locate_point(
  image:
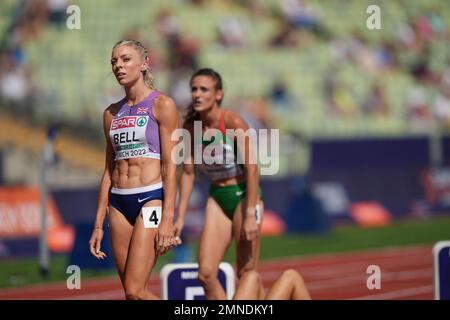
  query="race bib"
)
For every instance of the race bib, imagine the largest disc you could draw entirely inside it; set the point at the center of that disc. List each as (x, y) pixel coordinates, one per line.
(258, 214)
(151, 216)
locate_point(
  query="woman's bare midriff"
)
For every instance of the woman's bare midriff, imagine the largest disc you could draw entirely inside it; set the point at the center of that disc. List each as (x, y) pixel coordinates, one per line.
(136, 172)
(230, 181)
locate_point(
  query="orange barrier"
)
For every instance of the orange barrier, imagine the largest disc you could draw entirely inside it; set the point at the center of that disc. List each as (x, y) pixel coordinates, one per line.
(370, 214)
(20, 218)
(61, 239)
(272, 224)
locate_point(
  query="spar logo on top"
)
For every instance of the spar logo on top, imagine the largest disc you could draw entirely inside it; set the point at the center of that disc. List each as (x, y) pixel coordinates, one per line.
(20, 218)
(128, 122)
(125, 122)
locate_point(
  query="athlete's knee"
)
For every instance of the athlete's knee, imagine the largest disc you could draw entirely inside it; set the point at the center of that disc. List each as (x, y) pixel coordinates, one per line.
(292, 276)
(133, 292)
(206, 274)
(252, 276)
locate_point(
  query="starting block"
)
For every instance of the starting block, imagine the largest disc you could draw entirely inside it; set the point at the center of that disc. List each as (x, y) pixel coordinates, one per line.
(179, 281)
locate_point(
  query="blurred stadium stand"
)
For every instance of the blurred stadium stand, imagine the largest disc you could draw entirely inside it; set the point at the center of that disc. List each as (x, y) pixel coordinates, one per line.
(328, 66)
(309, 68)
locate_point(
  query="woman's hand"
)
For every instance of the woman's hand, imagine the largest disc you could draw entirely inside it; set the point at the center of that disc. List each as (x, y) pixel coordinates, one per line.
(95, 243)
(165, 237)
(178, 227)
(250, 228)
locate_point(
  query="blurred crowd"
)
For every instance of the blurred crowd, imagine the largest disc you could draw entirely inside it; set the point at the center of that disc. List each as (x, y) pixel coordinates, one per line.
(410, 52)
(300, 24)
(19, 88)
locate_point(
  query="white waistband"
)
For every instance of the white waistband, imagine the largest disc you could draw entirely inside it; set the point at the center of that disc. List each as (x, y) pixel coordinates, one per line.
(137, 190)
(150, 155)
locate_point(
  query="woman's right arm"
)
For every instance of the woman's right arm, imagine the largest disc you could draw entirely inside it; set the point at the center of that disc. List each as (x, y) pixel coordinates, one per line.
(186, 185)
(105, 186)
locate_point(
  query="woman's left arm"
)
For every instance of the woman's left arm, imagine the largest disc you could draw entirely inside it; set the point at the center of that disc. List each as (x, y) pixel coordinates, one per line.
(165, 112)
(247, 148)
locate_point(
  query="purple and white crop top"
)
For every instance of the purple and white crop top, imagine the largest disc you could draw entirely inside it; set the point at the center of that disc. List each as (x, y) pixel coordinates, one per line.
(134, 131)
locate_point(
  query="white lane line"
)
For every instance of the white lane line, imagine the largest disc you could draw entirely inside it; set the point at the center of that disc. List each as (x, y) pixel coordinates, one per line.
(361, 279)
(61, 285)
(105, 295)
(311, 262)
(353, 255)
(403, 293)
(348, 268)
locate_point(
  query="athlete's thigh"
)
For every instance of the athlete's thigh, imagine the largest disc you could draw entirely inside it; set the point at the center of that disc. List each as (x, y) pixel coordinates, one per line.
(247, 252)
(216, 235)
(249, 286)
(121, 231)
(142, 253)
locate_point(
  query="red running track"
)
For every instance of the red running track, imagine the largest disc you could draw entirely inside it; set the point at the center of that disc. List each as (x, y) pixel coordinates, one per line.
(406, 274)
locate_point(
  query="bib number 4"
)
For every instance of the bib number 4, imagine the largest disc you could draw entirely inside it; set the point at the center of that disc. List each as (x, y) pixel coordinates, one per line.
(151, 216)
